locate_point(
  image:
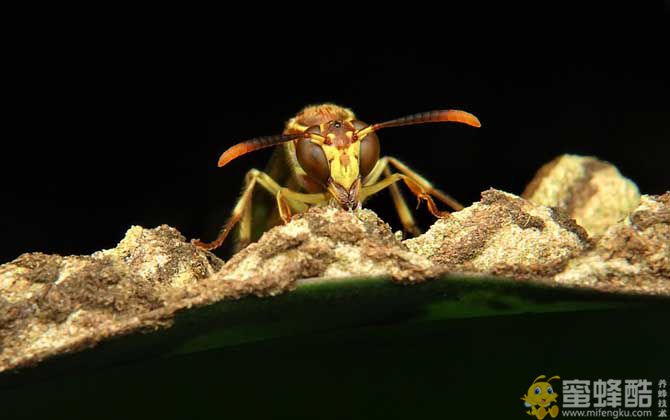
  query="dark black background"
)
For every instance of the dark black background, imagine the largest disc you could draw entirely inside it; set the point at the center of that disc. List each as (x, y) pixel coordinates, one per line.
(105, 132)
(111, 137)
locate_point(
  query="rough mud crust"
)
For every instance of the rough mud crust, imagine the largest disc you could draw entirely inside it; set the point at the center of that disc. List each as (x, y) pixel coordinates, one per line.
(633, 255)
(328, 242)
(591, 191)
(503, 235)
(52, 304)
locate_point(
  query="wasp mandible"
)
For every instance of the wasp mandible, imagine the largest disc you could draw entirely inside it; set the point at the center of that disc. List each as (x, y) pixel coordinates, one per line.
(334, 158)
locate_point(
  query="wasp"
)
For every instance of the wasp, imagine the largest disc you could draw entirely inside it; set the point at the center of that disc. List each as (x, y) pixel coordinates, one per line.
(334, 158)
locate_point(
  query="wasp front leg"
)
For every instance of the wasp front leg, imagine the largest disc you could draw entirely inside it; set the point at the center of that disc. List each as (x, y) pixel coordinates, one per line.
(401, 207)
(424, 185)
(246, 219)
(416, 183)
(286, 200)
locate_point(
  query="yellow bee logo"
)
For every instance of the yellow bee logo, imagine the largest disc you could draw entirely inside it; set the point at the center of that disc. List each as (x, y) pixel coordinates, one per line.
(540, 397)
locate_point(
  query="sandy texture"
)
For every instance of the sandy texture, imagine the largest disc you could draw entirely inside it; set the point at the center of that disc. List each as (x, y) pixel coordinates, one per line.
(503, 235)
(591, 191)
(328, 242)
(633, 255)
(50, 304)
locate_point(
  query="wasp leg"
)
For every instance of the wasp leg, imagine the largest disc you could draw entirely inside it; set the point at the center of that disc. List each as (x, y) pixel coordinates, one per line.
(283, 206)
(244, 231)
(286, 199)
(245, 223)
(425, 185)
(416, 189)
(401, 207)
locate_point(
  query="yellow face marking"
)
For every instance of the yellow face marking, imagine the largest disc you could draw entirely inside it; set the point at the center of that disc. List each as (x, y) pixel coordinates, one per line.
(344, 163)
(364, 132)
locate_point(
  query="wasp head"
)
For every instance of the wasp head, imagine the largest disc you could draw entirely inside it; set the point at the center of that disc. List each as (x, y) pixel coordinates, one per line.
(335, 155)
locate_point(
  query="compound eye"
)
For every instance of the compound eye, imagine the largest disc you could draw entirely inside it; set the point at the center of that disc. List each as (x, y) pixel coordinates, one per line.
(550, 390)
(538, 391)
(312, 158)
(369, 149)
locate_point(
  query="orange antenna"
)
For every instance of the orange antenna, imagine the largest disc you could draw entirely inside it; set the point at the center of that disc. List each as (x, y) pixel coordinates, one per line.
(255, 144)
(449, 115)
